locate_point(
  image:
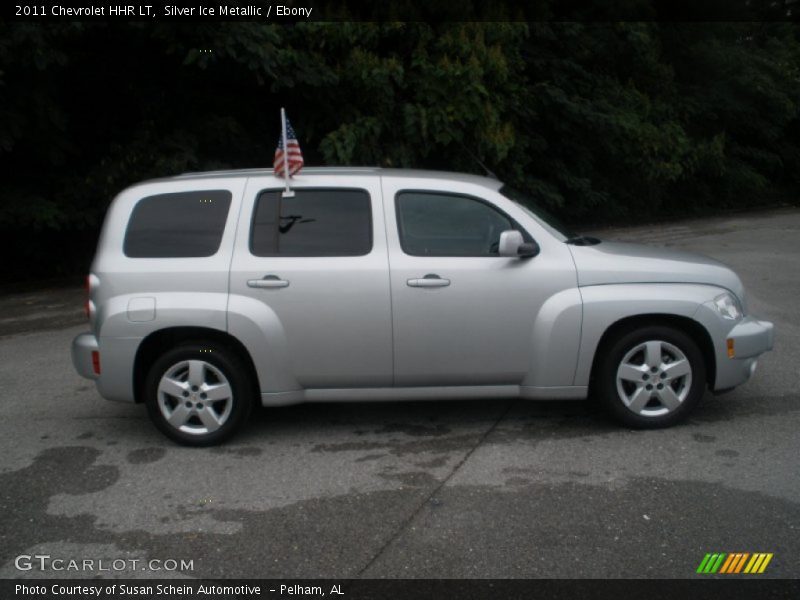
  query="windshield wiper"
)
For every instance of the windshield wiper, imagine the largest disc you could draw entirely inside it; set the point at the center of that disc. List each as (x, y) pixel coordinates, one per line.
(582, 240)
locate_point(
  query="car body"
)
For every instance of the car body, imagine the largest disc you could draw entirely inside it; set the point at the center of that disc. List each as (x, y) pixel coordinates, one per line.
(383, 284)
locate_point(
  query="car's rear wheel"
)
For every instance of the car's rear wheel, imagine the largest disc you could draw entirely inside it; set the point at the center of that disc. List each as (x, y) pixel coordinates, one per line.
(198, 394)
(651, 377)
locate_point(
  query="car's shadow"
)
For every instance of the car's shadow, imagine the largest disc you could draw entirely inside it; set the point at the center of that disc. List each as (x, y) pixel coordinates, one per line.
(433, 419)
(510, 419)
(539, 418)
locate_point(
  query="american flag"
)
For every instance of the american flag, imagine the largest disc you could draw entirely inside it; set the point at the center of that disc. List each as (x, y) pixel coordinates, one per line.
(294, 153)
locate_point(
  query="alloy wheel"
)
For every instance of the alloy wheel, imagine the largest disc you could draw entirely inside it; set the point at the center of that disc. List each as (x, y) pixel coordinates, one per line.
(195, 397)
(654, 378)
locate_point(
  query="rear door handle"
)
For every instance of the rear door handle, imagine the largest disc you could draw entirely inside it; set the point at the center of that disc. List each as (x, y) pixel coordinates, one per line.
(269, 281)
(431, 280)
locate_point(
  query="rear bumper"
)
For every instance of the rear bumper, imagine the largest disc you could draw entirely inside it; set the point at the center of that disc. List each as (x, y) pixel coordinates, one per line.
(116, 357)
(751, 338)
(82, 348)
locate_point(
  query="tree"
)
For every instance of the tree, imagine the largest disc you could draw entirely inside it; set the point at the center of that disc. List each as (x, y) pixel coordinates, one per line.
(596, 121)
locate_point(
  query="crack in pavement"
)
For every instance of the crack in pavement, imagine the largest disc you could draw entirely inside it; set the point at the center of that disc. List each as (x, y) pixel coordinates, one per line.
(410, 519)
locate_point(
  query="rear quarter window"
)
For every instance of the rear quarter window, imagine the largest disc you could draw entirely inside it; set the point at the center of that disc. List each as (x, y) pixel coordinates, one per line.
(315, 222)
(177, 225)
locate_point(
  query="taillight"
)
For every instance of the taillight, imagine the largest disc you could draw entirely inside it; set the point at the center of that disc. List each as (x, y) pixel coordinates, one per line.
(96, 362)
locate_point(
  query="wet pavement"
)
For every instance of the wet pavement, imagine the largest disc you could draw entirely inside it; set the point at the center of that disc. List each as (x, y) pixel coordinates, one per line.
(445, 489)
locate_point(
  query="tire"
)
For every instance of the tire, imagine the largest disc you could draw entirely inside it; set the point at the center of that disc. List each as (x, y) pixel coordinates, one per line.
(651, 377)
(198, 394)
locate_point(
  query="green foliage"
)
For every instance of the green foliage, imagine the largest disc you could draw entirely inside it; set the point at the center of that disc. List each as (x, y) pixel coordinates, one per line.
(598, 121)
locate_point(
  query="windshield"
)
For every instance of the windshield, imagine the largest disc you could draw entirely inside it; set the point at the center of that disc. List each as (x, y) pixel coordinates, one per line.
(549, 221)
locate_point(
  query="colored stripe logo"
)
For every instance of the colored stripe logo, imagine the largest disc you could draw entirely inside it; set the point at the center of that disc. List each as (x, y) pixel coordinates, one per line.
(735, 562)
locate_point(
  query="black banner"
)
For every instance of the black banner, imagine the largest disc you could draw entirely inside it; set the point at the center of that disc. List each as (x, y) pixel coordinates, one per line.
(408, 589)
(294, 11)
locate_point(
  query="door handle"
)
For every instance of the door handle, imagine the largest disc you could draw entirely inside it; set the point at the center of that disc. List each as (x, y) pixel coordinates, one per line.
(269, 281)
(431, 280)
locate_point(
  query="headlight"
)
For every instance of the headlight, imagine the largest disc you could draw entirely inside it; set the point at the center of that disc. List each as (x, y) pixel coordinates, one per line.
(728, 306)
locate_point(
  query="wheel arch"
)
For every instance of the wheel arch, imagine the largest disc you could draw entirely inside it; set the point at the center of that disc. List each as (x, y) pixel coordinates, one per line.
(157, 342)
(687, 325)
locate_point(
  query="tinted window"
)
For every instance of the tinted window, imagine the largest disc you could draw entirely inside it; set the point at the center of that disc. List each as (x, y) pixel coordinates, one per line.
(312, 223)
(186, 224)
(435, 224)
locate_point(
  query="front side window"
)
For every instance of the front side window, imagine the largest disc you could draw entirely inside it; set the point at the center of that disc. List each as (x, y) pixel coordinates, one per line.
(315, 222)
(177, 225)
(442, 224)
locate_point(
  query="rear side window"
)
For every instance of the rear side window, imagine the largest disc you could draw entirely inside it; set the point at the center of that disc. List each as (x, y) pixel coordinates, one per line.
(179, 225)
(315, 222)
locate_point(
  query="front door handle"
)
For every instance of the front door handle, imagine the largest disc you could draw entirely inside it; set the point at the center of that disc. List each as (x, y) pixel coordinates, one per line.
(269, 281)
(431, 280)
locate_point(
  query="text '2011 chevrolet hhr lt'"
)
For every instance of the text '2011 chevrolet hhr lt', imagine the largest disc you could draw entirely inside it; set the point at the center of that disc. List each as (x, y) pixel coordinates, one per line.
(212, 291)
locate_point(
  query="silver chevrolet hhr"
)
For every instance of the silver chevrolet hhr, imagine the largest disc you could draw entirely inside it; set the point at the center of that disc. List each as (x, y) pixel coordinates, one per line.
(211, 290)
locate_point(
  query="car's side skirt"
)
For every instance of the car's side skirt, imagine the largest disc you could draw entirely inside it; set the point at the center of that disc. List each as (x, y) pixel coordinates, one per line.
(424, 393)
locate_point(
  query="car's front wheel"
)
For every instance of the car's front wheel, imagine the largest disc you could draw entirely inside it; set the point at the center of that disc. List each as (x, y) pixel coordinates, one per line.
(651, 377)
(198, 394)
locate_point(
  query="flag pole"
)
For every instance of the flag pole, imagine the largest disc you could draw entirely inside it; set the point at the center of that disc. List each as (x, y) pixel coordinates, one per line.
(287, 193)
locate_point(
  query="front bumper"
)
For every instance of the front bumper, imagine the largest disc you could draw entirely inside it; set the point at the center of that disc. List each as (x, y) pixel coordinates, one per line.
(82, 348)
(751, 338)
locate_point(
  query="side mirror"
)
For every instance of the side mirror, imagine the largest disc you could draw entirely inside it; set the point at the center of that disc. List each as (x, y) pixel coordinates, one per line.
(512, 244)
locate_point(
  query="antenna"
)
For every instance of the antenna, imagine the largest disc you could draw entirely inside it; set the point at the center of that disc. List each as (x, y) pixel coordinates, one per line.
(488, 171)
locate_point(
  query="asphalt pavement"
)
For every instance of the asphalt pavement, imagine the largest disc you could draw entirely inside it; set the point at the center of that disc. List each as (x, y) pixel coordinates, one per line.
(478, 489)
